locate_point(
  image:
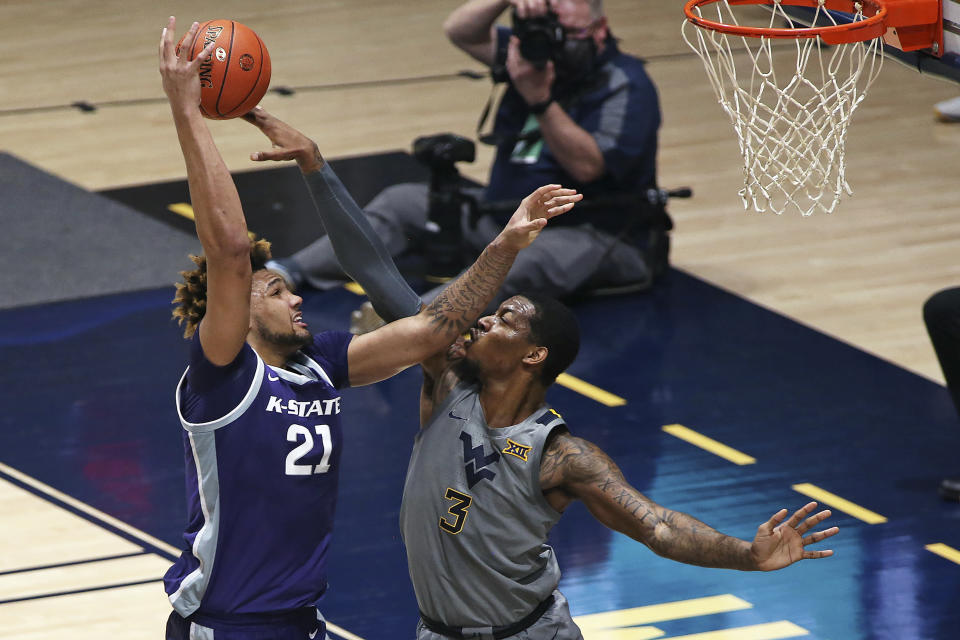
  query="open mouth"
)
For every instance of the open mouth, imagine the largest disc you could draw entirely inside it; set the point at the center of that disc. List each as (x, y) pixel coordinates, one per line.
(471, 336)
(298, 320)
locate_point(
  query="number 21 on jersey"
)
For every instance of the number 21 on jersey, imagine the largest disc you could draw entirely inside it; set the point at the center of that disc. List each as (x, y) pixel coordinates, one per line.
(297, 432)
(459, 511)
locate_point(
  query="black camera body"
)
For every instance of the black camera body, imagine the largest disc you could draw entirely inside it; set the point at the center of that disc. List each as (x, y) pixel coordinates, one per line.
(443, 244)
(541, 38)
(443, 150)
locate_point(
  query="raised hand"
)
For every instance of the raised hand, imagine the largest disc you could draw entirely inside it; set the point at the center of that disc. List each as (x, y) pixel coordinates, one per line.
(531, 216)
(778, 545)
(288, 143)
(181, 78)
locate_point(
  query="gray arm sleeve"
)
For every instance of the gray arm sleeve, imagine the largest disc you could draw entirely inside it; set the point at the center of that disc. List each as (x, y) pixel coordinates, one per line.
(360, 252)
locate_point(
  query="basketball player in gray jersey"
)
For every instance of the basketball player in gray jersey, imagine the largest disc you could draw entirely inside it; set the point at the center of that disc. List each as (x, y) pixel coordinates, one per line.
(494, 467)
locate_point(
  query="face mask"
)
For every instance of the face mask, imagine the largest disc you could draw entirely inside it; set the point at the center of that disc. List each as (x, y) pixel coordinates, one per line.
(577, 60)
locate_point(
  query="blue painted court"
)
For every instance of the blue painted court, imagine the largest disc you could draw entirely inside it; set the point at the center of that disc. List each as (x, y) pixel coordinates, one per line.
(88, 398)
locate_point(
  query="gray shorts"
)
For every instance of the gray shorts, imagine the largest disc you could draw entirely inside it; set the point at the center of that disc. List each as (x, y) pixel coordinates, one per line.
(554, 624)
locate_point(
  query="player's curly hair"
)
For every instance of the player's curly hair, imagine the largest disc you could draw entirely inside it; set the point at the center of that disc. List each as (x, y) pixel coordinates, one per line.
(191, 298)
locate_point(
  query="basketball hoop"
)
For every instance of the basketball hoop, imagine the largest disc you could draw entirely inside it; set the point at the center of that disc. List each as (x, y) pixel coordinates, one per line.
(791, 121)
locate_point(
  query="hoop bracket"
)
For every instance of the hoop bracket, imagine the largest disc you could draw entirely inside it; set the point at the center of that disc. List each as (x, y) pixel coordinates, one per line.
(914, 25)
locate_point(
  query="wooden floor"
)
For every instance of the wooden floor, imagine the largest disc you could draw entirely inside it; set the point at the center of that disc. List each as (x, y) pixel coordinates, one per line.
(860, 274)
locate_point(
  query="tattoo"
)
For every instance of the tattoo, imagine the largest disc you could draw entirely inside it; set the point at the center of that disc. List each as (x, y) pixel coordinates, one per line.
(458, 306)
(584, 471)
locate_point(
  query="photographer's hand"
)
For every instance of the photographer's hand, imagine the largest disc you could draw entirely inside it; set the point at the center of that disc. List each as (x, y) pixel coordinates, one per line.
(530, 8)
(534, 85)
(288, 143)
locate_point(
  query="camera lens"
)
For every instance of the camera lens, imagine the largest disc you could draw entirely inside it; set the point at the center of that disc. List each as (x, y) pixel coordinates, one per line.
(536, 48)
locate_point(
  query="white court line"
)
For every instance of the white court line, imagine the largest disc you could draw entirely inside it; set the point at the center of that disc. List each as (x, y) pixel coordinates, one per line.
(123, 526)
(91, 511)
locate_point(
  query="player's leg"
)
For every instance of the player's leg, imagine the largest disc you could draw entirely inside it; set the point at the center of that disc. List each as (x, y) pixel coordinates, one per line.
(566, 260)
(395, 214)
(941, 313)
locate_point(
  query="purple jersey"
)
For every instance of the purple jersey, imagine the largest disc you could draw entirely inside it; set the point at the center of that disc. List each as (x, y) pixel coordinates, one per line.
(262, 449)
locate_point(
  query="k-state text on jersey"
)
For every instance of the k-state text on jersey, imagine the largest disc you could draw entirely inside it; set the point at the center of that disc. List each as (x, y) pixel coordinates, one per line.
(304, 409)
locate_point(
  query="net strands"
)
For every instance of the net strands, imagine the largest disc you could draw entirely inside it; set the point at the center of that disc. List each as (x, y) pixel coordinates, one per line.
(791, 126)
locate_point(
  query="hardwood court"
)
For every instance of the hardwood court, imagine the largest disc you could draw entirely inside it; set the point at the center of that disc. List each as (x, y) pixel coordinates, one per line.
(861, 274)
(371, 75)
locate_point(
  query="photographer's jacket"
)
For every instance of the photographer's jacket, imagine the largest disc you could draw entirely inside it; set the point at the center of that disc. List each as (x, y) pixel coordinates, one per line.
(617, 104)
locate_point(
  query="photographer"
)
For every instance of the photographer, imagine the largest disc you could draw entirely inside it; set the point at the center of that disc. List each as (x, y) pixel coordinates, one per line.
(584, 114)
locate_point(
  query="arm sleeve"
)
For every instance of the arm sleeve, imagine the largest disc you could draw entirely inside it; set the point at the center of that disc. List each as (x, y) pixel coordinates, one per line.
(360, 252)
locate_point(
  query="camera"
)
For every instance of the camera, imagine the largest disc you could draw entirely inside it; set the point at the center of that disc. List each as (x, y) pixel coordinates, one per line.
(541, 38)
(444, 248)
(441, 151)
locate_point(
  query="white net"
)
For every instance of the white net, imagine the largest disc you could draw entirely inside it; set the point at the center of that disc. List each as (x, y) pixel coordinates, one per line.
(790, 115)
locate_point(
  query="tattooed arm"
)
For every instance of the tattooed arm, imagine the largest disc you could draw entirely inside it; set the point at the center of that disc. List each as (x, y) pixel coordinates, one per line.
(385, 352)
(574, 469)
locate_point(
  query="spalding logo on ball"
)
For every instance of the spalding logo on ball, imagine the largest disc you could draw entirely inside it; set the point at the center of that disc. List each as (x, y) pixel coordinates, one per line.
(235, 77)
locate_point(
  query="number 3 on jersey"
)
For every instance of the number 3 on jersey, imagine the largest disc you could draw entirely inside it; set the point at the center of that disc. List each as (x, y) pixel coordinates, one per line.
(297, 431)
(458, 510)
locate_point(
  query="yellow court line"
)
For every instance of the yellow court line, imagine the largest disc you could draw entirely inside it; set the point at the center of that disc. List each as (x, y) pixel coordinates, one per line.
(589, 390)
(767, 631)
(182, 209)
(185, 209)
(838, 503)
(630, 633)
(708, 444)
(353, 287)
(944, 551)
(82, 506)
(662, 612)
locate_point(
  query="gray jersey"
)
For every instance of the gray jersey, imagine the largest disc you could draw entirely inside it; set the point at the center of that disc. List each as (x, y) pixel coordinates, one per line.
(474, 519)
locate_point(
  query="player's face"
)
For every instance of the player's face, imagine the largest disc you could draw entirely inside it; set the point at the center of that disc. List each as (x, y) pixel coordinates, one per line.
(275, 311)
(501, 341)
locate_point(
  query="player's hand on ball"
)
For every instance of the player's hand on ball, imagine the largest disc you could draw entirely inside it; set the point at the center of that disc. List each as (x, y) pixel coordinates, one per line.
(531, 216)
(181, 80)
(288, 143)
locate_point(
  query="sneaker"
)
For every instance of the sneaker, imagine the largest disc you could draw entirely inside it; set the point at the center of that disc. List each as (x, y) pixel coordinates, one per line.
(950, 489)
(365, 320)
(948, 110)
(288, 270)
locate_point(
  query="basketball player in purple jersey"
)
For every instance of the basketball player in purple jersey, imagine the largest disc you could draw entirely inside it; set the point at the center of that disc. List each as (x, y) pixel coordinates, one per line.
(259, 402)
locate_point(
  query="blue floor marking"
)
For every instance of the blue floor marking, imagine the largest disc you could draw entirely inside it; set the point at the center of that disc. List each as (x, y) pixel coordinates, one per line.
(89, 410)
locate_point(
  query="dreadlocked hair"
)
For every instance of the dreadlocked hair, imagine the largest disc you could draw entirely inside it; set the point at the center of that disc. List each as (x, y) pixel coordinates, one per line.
(190, 301)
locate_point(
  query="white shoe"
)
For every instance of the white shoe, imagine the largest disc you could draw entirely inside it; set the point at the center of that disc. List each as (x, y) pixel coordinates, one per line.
(948, 110)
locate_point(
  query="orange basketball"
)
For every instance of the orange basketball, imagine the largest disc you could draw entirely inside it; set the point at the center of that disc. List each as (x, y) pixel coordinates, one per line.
(236, 75)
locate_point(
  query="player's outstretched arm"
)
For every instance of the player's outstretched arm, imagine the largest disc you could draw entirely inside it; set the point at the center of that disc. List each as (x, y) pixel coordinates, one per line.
(219, 217)
(578, 469)
(358, 248)
(382, 353)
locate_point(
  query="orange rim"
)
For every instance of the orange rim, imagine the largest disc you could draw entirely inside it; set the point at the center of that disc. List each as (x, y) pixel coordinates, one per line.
(873, 26)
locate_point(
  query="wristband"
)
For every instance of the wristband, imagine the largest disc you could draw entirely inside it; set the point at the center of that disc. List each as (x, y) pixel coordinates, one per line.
(538, 108)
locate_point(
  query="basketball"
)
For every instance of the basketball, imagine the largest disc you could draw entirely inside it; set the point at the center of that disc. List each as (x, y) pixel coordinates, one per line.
(236, 76)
